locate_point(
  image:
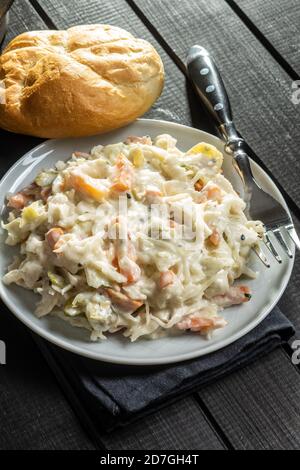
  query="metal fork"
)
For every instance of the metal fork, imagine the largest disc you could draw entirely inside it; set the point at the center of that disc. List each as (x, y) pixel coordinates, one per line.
(260, 205)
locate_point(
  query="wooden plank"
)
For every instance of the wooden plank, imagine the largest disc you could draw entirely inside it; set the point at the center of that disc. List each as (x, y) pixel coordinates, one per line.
(156, 429)
(258, 407)
(178, 28)
(22, 18)
(164, 428)
(33, 412)
(278, 21)
(258, 88)
(161, 425)
(173, 428)
(4, 7)
(290, 301)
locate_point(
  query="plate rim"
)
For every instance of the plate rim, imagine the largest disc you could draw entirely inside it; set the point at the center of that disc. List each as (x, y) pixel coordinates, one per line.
(65, 344)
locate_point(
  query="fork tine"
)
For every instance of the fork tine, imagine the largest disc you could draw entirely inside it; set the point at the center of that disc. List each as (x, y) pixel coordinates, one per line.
(282, 242)
(293, 234)
(271, 247)
(257, 250)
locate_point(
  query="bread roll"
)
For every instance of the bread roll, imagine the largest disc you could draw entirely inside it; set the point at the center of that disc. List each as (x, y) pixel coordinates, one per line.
(83, 81)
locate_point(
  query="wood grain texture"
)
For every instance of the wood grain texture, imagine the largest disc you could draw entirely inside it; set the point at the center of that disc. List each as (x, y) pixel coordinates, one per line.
(184, 422)
(173, 428)
(290, 301)
(22, 18)
(4, 6)
(33, 412)
(260, 91)
(164, 429)
(279, 22)
(156, 429)
(258, 407)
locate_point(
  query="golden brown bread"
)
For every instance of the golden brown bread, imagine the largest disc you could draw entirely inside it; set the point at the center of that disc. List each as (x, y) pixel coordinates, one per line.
(83, 81)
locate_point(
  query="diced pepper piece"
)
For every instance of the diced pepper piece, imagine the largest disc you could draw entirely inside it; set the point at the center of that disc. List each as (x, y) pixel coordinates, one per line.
(30, 213)
(235, 296)
(122, 301)
(53, 237)
(166, 279)
(45, 193)
(86, 185)
(137, 157)
(81, 155)
(56, 280)
(206, 149)
(199, 185)
(210, 151)
(132, 139)
(213, 193)
(196, 322)
(152, 194)
(215, 238)
(18, 201)
(124, 175)
(125, 258)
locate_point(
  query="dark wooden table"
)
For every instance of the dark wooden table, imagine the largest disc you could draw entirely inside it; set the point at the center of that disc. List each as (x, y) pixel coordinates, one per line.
(256, 44)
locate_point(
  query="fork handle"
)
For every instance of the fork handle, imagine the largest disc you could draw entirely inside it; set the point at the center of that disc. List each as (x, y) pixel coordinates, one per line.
(209, 84)
(211, 90)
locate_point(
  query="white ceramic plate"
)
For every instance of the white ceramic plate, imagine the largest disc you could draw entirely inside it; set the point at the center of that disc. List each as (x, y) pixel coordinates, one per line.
(267, 288)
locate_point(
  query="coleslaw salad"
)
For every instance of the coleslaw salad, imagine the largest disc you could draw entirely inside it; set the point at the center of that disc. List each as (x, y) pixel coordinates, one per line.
(136, 237)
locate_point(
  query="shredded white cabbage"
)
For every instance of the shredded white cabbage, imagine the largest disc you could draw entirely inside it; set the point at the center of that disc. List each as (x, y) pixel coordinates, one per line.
(136, 237)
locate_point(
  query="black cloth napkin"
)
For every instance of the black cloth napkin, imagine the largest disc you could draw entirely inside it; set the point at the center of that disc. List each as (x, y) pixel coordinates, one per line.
(114, 395)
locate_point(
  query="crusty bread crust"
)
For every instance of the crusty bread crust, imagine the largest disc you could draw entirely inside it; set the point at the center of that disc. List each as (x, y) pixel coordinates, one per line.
(83, 81)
